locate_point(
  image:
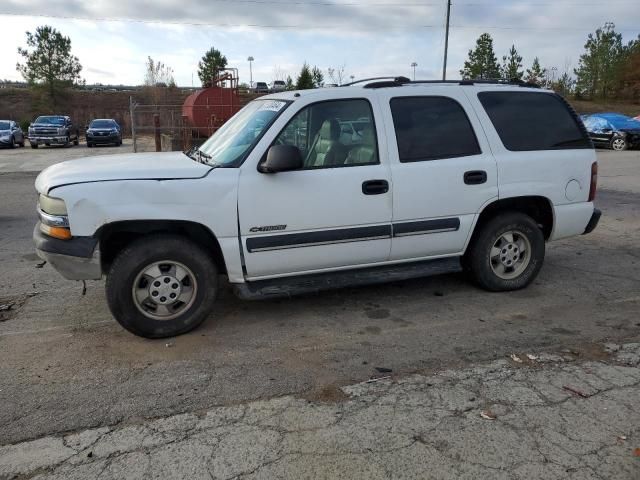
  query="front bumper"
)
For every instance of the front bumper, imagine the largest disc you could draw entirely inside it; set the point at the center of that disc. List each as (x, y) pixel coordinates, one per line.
(5, 140)
(40, 139)
(75, 259)
(103, 138)
(593, 221)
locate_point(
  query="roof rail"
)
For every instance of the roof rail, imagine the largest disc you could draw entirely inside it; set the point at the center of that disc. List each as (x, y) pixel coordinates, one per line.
(382, 82)
(390, 78)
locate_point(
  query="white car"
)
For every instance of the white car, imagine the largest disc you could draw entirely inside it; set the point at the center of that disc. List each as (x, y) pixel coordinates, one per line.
(445, 177)
(278, 86)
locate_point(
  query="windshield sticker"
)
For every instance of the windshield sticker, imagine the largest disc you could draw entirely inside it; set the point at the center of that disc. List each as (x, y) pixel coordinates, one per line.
(273, 105)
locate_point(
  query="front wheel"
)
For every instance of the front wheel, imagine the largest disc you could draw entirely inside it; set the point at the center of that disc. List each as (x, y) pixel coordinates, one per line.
(161, 287)
(507, 253)
(12, 143)
(34, 145)
(619, 144)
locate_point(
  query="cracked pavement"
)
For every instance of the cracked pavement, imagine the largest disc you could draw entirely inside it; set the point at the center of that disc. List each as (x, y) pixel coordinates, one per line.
(549, 416)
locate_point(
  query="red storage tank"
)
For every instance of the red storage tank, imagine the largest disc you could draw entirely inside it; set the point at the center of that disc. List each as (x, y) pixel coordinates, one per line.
(207, 109)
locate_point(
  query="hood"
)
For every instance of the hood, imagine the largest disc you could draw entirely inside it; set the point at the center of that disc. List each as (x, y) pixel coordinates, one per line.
(5, 132)
(127, 166)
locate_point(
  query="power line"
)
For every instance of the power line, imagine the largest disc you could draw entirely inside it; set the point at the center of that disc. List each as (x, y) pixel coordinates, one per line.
(297, 26)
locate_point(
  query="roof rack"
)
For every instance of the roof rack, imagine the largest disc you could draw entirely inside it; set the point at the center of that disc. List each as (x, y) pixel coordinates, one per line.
(382, 82)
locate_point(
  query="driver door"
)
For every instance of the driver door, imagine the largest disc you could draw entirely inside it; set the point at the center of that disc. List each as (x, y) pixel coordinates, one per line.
(333, 213)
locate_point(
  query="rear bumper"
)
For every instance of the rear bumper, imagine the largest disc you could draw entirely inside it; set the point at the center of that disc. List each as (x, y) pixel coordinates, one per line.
(75, 259)
(593, 221)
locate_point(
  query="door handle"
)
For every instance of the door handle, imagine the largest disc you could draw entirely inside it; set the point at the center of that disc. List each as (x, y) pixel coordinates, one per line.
(475, 177)
(375, 187)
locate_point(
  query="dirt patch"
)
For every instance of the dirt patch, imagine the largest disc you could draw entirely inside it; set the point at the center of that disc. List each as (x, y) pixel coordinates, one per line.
(10, 306)
(326, 394)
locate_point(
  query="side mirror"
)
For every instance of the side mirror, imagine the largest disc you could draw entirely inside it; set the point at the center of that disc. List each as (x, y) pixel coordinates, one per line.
(281, 158)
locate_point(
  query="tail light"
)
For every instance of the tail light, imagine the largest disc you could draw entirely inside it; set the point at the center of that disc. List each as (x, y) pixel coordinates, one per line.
(594, 181)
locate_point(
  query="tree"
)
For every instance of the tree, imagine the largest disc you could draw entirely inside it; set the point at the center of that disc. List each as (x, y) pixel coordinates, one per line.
(512, 65)
(630, 75)
(289, 84)
(337, 75)
(48, 60)
(536, 74)
(318, 77)
(482, 62)
(212, 62)
(158, 74)
(601, 64)
(305, 78)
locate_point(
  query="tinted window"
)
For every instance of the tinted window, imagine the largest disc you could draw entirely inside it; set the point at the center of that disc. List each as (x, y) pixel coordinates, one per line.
(533, 121)
(430, 128)
(333, 134)
(5, 125)
(50, 120)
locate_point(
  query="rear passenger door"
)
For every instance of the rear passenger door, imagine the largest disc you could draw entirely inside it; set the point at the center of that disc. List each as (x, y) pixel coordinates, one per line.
(442, 169)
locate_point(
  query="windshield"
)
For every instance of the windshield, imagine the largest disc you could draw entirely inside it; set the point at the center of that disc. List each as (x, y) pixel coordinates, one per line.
(102, 124)
(228, 146)
(50, 120)
(4, 126)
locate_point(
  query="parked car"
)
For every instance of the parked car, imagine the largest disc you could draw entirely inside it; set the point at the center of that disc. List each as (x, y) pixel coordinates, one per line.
(11, 134)
(261, 87)
(278, 86)
(444, 177)
(613, 130)
(103, 131)
(53, 130)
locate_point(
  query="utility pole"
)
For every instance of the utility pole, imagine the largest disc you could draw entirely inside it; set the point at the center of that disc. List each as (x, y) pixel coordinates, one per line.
(414, 65)
(446, 41)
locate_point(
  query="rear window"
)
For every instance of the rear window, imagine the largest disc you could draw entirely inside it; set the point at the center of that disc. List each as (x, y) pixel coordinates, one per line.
(529, 121)
(432, 128)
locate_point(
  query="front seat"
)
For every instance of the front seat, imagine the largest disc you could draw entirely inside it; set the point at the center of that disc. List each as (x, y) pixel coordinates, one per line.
(365, 153)
(327, 151)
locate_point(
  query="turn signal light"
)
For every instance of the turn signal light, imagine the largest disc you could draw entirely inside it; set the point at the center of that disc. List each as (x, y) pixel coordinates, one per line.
(594, 181)
(56, 232)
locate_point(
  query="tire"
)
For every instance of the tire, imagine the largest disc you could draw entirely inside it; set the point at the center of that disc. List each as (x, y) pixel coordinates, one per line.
(619, 144)
(12, 144)
(156, 254)
(21, 143)
(89, 144)
(76, 141)
(34, 145)
(67, 141)
(511, 268)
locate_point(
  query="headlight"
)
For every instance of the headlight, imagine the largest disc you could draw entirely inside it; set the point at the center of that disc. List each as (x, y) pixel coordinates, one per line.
(52, 206)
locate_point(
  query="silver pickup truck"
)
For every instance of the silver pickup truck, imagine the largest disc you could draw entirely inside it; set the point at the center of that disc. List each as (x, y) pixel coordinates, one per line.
(53, 130)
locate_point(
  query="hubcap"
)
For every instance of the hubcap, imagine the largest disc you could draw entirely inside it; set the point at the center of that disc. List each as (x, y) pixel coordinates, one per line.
(510, 255)
(164, 290)
(618, 144)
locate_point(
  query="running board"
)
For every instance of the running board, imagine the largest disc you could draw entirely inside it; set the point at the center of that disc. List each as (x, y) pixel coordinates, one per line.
(290, 286)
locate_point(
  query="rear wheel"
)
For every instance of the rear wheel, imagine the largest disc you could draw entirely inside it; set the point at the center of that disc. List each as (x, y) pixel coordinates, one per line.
(507, 253)
(161, 287)
(619, 144)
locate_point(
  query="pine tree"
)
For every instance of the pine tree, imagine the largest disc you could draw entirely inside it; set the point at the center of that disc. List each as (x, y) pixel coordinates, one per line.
(289, 84)
(482, 62)
(512, 65)
(536, 74)
(600, 66)
(305, 78)
(210, 65)
(318, 77)
(50, 61)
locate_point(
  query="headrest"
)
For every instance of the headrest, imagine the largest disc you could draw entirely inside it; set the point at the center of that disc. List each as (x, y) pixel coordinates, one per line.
(368, 138)
(330, 129)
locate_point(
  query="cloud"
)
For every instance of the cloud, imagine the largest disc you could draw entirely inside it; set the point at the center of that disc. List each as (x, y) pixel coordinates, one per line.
(377, 37)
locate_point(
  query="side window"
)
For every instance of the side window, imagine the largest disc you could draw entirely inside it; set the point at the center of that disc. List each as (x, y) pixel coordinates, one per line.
(325, 134)
(529, 121)
(432, 128)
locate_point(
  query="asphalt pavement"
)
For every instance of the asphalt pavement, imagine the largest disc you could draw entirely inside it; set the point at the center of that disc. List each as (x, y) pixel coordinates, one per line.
(66, 366)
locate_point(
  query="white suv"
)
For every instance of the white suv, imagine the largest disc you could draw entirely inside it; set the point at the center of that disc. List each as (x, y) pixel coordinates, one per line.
(437, 177)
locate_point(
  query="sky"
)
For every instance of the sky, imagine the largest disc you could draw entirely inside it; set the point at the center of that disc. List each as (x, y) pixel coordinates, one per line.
(113, 38)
